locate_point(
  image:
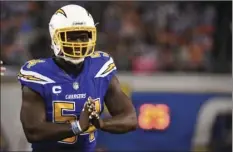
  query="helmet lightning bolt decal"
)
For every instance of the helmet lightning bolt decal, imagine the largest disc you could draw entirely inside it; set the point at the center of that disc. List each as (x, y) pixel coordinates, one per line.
(61, 11)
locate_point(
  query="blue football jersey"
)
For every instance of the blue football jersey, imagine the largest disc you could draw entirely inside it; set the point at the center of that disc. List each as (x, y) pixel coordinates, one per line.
(64, 95)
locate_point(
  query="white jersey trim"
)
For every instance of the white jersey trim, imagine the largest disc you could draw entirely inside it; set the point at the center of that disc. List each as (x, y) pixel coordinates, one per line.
(41, 79)
(106, 69)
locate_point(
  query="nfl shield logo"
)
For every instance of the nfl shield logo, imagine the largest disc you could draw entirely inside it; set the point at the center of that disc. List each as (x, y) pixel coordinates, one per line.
(75, 85)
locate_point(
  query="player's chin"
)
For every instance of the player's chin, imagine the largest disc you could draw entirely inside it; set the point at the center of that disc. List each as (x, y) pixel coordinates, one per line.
(70, 56)
(74, 58)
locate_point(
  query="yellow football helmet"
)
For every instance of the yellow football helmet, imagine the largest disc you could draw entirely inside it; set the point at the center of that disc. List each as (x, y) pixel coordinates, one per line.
(73, 33)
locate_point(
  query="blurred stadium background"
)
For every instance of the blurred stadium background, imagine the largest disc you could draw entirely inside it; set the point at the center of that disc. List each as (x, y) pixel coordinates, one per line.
(174, 61)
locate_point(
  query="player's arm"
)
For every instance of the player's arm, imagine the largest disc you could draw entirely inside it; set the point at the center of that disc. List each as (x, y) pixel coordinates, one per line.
(33, 118)
(120, 107)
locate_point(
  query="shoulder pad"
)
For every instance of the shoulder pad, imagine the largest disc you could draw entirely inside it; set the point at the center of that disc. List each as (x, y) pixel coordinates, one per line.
(32, 71)
(104, 64)
(107, 68)
(33, 63)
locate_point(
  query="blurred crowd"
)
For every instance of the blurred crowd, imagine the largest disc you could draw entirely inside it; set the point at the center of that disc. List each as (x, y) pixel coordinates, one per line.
(141, 36)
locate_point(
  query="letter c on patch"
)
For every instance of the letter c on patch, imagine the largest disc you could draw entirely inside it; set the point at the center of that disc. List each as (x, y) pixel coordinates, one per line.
(56, 89)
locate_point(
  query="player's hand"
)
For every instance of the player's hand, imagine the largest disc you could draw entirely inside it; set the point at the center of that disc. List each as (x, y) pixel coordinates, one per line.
(97, 122)
(3, 69)
(94, 115)
(84, 116)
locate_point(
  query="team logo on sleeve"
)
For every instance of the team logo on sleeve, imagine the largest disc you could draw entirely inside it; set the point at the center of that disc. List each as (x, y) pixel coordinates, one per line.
(33, 77)
(34, 62)
(106, 69)
(110, 68)
(29, 77)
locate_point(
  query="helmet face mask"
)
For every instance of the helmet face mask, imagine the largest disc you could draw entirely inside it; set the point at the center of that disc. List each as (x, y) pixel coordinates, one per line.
(73, 36)
(76, 42)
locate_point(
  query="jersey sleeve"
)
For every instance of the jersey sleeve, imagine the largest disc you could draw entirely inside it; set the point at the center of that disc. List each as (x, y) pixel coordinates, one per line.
(33, 79)
(106, 70)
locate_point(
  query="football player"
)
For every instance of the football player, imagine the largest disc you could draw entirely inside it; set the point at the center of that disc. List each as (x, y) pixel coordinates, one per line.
(63, 96)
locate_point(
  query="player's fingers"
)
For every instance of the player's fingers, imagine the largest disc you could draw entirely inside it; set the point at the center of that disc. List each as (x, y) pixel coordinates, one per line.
(95, 115)
(90, 100)
(92, 115)
(90, 110)
(89, 105)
